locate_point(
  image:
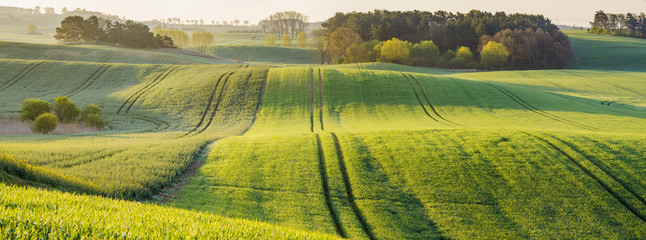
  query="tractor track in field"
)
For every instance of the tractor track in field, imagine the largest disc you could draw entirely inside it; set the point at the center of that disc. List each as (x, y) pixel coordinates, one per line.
(208, 106)
(217, 104)
(623, 184)
(624, 88)
(326, 189)
(428, 101)
(22, 74)
(162, 60)
(348, 188)
(149, 86)
(312, 97)
(90, 80)
(161, 124)
(321, 99)
(588, 173)
(420, 100)
(261, 98)
(108, 57)
(142, 90)
(536, 110)
(103, 156)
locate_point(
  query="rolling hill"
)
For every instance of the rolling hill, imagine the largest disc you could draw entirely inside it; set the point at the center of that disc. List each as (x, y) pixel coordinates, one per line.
(360, 151)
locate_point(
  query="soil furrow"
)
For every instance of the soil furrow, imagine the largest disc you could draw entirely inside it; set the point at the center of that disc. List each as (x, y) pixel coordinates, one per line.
(594, 177)
(150, 86)
(348, 188)
(326, 189)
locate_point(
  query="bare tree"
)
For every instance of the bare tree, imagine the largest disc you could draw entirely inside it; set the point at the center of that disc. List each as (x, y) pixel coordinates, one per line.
(288, 22)
(322, 43)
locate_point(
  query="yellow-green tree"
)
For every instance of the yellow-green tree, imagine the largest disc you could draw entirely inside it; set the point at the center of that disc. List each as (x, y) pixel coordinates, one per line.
(270, 41)
(395, 50)
(180, 38)
(45, 123)
(340, 40)
(32, 30)
(287, 41)
(65, 109)
(494, 55)
(465, 52)
(202, 38)
(302, 39)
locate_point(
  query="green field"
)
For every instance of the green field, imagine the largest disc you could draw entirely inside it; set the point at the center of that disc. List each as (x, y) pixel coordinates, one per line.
(201, 147)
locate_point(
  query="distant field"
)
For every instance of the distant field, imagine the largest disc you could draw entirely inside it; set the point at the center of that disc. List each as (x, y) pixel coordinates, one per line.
(306, 151)
(608, 52)
(262, 54)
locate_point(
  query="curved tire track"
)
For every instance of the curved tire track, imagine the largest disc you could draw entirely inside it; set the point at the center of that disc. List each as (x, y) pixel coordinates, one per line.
(208, 106)
(420, 100)
(326, 189)
(623, 184)
(30, 68)
(217, 104)
(89, 81)
(587, 172)
(428, 101)
(142, 89)
(536, 110)
(108, 57)
(151, 85)
(348, 188)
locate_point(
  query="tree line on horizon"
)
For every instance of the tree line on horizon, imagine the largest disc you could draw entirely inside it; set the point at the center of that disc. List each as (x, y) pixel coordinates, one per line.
(281, 23)
(627, 25)
(129, 34)
(435, 39)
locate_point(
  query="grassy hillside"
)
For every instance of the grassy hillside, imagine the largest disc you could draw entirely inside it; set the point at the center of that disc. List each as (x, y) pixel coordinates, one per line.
(492, 140)
(98, 53)
(608, 52)
(54, 214)
(151, 124)
(254, 53)
(363, 151)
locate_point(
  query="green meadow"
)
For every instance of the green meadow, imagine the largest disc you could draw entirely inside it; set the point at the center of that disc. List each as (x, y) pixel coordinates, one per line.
(199, 146)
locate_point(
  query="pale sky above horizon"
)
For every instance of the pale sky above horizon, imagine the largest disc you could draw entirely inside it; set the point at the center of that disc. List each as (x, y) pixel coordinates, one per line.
(566, 12)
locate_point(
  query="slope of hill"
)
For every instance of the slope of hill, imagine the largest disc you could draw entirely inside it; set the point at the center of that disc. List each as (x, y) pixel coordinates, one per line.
(608, 52)
(368, 151)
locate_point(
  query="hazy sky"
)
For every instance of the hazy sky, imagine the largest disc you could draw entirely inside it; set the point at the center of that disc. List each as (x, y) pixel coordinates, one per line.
(569, 12)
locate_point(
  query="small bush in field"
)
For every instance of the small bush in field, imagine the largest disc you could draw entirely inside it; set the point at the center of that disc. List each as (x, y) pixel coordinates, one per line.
(45, 123)
(32, 108)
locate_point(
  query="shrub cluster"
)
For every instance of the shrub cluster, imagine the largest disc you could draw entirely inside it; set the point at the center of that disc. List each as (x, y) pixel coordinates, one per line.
(64, 110)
